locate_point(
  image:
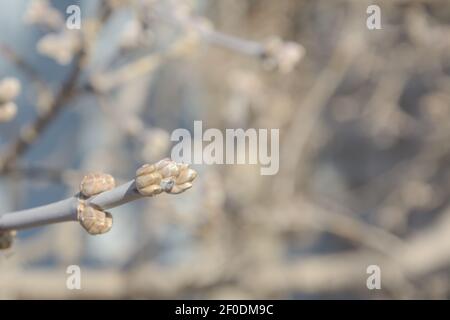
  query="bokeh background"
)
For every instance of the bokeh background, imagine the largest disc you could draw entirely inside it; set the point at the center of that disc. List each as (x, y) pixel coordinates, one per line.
(364, 149)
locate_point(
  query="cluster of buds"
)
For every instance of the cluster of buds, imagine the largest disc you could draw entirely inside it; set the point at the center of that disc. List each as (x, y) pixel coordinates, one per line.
(6, 239)
(93, 220)
(9, 90)
(40, 12)
(165, 175)
(280, 55)
(151, 179)
(61, 46)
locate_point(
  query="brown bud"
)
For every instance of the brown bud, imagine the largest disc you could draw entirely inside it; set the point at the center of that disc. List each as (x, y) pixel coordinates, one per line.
(94, 221)
(146, 168)
(179, 188)
(8, 111)
(162, 163)
(166, 175)
(186, 175)
(144, 181)
(151, 190)
(95, 183)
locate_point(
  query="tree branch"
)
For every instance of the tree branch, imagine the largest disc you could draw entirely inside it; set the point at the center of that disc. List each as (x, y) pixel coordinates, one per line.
(151, 180)
(67, 210)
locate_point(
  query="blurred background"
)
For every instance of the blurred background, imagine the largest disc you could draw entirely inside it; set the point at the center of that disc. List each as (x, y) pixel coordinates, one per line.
(364, 147)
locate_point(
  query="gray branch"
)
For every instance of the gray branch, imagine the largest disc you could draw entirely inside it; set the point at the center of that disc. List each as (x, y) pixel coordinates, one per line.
(67, 210)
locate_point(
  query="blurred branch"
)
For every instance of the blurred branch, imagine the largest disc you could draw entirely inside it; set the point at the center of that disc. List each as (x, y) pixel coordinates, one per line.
(305, 118)
(30, 133)
(22, 64)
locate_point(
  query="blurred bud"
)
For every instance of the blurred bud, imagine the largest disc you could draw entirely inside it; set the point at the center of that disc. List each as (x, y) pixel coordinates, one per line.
(7, 239)
(95, 183)
(40, 12)
(60, 46)
(283, 56)
(8, 111)
(94, 221)
(9, 89)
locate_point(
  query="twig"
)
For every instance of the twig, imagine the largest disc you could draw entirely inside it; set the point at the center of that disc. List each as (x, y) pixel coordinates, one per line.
(67, 210)
(28, 136)
(166, 176)
(21, 63)
(274, 53)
